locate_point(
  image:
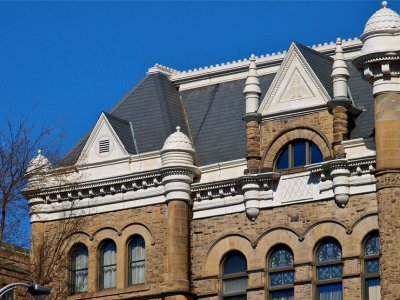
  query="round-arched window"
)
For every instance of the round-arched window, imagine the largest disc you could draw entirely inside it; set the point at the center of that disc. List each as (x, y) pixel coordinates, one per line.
(329, 270)
(234, 276)
(371, 267)
(298, 153)
(281, 273)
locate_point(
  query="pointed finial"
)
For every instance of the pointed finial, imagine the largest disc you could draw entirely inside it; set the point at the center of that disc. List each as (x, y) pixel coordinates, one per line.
(384, 4)
(39, 152)
(252, 57)
(340, 72)
(178, 128)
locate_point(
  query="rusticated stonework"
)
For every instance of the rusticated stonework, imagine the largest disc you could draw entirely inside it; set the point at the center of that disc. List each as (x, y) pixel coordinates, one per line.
(253, 146)
(339, 130)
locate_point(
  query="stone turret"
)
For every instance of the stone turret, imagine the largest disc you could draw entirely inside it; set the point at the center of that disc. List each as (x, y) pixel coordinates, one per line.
(252, 93)
(379, 63)
(178, 171)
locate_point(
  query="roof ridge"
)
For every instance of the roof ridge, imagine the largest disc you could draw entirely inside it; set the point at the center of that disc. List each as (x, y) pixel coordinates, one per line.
(129, 93)
(307, 48)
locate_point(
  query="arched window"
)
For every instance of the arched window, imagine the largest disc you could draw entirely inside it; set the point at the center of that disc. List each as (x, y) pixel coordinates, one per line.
(79, 269)
(136, 257)
(108, 265)
(298, 153)
(281, 274)
(371, 267)
(234, 277)
(329, 270)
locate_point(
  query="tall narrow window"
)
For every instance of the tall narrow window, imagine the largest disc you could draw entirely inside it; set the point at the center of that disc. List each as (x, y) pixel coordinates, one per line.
(298, 153)
(281, 274)
(329, 270)
(108, 265)
(234, 277)
(371, 268)
(136, 258)
(79, 269)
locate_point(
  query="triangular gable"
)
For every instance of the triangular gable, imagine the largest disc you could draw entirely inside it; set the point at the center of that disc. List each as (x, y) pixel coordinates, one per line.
(103, 143)
(295, 86)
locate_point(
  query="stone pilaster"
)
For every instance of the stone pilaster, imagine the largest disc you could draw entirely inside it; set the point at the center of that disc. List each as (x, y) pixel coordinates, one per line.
(178, 170)
(253, 146)
(387, 139)
(340, 130)
(252, 94)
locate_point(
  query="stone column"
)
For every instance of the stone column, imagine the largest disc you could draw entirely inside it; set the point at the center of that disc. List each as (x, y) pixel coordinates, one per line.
(379, 63)
(387, 139)
(252, 94)
(178, 171)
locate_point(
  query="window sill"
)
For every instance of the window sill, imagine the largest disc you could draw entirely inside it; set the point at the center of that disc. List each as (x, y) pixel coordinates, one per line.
(111, 292)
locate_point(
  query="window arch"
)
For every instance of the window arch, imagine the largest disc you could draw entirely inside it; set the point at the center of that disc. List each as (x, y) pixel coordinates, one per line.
(281, 273)
(234, 276)
(297, 153)
(328, 257)
(371, 267)
(108, 265)
(79, 269)
(136, 260)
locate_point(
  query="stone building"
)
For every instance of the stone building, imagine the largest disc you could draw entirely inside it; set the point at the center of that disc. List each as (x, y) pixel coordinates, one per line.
(14, 267)
(276, 177)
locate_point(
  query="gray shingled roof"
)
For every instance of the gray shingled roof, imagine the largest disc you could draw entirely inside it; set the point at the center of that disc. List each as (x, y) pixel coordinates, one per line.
(153, 107)
(361, 92)
(123, 129)
(214, 113)
(215, 116)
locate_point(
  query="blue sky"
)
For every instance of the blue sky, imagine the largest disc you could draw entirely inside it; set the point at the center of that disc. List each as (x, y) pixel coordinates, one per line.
(65, 62)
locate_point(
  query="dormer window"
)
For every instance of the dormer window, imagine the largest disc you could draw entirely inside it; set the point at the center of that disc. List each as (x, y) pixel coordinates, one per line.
(298, 153)
(104, 146)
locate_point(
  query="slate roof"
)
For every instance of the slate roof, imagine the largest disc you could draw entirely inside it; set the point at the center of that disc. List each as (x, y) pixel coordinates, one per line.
(123, 129)
(214, 113)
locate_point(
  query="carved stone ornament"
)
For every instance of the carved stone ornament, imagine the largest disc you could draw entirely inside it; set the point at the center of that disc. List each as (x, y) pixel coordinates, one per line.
(297, 89)
(388, 180)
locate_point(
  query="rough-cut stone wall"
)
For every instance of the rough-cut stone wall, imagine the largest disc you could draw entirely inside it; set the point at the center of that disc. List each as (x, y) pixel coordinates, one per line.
(14, 267)
(317, 127)
(340, 130)
(387, 139)
(150, 222)
(300, 226)
(253, 146)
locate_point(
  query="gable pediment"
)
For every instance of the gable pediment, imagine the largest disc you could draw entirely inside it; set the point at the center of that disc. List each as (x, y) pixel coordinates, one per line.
(103, 144)
(295, 87)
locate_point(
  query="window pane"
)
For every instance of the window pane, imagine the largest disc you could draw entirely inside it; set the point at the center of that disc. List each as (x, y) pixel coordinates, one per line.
(281, 258)
(299, 153)
(282, 295)
(136, 261)
(235, 263)
(330, 292)
(283, 159)
(372, 245)
(235, 285)
(374, 289)
(329, 251)
(329, 272)
(109, 265)
(79, 269)
(282, 278)
(316, 155)
(372, 265)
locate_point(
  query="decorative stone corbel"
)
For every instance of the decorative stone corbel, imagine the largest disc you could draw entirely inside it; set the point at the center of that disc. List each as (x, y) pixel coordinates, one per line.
(340, 174)
(251, 194)
(257, 187)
